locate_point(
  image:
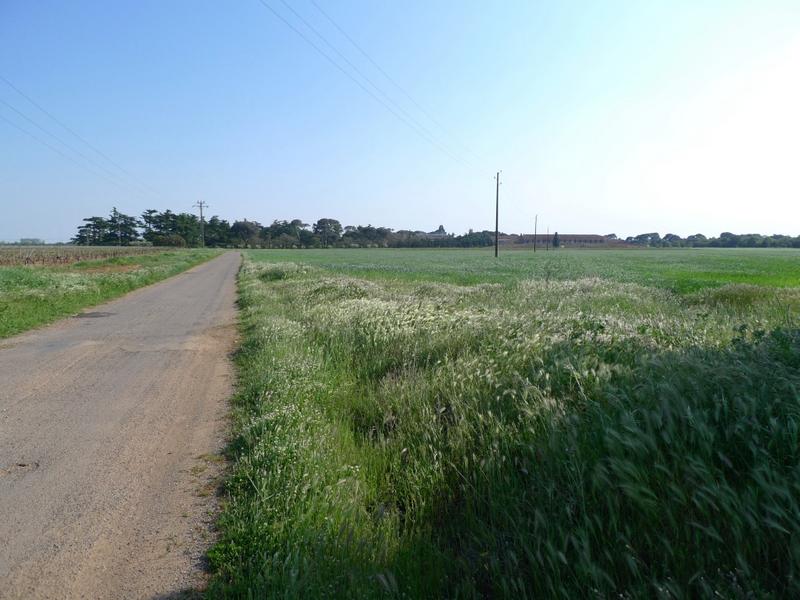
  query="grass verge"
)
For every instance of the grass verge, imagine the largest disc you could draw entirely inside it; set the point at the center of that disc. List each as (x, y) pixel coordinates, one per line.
(31, 296)
(537, 438)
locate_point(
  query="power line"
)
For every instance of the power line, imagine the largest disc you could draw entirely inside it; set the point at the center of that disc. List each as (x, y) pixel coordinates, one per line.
(362, 86)
(375, 86)
(394, 82)
(77, 136)
(61, 141)
(53, 148)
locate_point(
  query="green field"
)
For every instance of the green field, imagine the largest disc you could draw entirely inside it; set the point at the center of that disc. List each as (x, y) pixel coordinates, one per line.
(682, 270)
(36, 295)
(430, 424)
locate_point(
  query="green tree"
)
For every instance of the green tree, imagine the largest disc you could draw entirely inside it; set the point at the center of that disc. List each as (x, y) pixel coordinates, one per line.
(698, 239)
(648, 239)
(297, 226)
(163, 226)
(117, 230)
(187, 226)
(328, 230)
(149, 219)
(122, 229)
(168, 239)
(246, 233)
(218, 232)
(92, 233)
(556, 240)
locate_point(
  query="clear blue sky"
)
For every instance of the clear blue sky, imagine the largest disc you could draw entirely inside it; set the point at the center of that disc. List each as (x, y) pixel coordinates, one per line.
(626, 117)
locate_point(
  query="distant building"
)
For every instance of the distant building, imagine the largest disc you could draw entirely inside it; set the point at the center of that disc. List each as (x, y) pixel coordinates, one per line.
(568, 240)
(438, 234)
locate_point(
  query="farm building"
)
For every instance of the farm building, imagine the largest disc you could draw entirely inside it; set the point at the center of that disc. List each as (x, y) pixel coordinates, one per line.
(569, 240)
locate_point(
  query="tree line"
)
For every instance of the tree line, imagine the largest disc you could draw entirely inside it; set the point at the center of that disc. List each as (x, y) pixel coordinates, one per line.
(726, 239)
(184, 230)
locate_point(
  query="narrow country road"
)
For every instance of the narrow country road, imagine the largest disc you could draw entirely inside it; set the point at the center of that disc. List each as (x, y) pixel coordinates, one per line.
(110, 425)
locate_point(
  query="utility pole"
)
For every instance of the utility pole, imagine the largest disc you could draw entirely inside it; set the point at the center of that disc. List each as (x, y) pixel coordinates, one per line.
(201, 205)
(535, 228)
(497, 216)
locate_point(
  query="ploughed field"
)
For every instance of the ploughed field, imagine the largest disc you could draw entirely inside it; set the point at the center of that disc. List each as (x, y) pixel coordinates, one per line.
(565, 424)
(40, 285)
(60, 255)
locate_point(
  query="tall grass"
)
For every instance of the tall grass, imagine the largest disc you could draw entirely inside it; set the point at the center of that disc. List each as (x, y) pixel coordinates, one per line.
(682, 270)
(539, 438)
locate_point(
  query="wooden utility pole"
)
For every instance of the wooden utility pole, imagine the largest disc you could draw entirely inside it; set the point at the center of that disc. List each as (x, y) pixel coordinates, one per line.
(535, 228)
(201, 205)
(497, 216)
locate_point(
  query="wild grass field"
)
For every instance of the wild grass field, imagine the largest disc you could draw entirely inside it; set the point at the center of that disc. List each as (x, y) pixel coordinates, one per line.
(441, 424)
(681, 270)
(35, 294)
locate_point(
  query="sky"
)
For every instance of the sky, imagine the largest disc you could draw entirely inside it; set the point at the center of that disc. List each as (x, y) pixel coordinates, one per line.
(616, 116)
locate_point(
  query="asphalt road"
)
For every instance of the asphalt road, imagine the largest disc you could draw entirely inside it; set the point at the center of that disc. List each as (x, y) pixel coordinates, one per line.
(110, 427)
